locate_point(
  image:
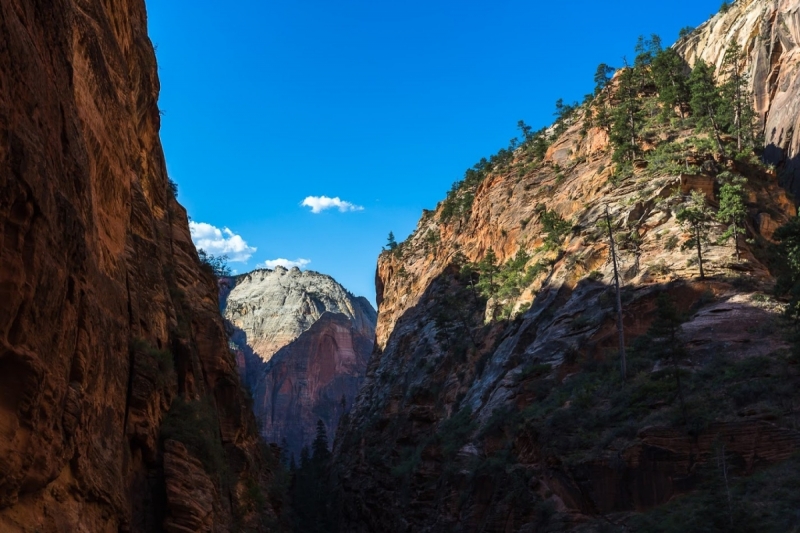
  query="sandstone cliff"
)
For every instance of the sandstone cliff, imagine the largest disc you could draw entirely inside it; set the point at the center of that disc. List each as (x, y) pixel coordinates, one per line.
(109, 325)
(302, 343)
(769, 32)
(509, 414)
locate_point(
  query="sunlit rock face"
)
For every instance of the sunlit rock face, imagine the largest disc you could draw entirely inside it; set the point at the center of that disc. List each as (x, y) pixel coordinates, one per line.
(769, 33)
(302, 343)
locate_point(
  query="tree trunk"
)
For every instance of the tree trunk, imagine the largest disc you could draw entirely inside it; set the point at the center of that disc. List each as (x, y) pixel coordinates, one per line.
(737, 119)
(715, 126)
(699, 252)
(620, 327)
(736, 239)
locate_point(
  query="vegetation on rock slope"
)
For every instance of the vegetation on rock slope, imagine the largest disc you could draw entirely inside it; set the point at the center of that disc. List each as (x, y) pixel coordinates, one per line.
(508, 408)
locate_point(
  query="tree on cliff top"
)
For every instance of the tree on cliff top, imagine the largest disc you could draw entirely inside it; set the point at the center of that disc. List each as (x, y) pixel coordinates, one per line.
(218, 265)
(391, 243)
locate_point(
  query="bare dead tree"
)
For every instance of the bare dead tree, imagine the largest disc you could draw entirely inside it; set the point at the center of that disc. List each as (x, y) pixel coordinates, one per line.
(620, 328)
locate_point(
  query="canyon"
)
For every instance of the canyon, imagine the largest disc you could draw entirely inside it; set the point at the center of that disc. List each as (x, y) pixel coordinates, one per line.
(139, 392)
(302, 344)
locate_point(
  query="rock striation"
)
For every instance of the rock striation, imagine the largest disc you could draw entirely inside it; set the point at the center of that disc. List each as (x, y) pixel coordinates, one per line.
(302, 343)
(107, 318)
(769, 33)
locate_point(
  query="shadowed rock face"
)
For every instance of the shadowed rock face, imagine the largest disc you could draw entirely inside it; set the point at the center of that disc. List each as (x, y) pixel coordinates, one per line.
(769, 33)
(302, 344)
(106, 315)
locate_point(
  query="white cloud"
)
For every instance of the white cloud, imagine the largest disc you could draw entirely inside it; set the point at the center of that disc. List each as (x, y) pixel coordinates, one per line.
(223, 241)
(318, 204)
(286, 263)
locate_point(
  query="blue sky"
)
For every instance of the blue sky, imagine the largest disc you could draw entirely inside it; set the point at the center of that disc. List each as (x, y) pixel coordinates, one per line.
(380, 104)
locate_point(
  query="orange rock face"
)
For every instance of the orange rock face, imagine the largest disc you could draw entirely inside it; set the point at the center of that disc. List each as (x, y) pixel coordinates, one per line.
(106, 315)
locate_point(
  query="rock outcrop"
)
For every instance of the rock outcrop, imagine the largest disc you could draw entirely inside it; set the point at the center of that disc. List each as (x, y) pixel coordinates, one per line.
(506, 413)
(769, 34)
(302, 344)
(107, 318)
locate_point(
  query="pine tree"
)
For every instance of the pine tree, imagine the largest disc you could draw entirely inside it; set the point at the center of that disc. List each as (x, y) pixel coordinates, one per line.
(737, 112)
(488, 268)
(788, 264)
(601, 77)
(601, 116)
(695, 219)
(706, 100)
(627, 117)
(391, 244)
(527, 131)
(665, 343)
(646, 51)
(669, 74)
(319, 447)
(732, 209)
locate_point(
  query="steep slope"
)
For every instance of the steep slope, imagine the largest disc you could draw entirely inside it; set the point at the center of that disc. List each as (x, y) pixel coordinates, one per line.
(507, 412)
(109, 325)
(769, 33)
(302, 344)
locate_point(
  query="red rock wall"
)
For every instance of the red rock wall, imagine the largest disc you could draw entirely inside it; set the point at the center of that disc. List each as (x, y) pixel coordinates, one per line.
(95, 254)
(316, 377)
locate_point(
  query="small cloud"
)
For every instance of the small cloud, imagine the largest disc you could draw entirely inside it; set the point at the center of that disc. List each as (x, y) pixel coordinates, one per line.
(286, 263)
(318, 204)
(223, 241)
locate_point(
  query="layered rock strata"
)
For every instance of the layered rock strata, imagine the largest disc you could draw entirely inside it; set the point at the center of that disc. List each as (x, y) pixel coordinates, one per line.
(107, 318)
(302, 344)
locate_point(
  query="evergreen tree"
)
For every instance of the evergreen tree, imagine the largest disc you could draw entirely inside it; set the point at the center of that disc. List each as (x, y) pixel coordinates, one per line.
(562, 114)
(311, 496)
(217, 264)
(669, 74)
(706, 100)
(627, 117)
(319, 446)
(736, 110)
(601, 77)
(540, 144)
(488, 268)
(391, 244)
(527, 131)
(665, 343)
(554, 226)
(788, 264)
(695, 219)
(601, 116)
(646, 51)
(732, 209)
